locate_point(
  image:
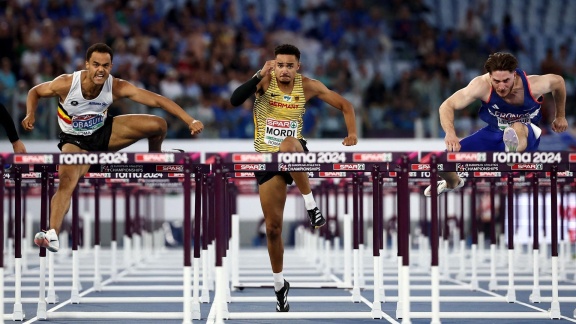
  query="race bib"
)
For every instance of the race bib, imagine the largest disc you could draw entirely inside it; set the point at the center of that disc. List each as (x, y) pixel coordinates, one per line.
(278, 130)
(87, 123)
(503, 123)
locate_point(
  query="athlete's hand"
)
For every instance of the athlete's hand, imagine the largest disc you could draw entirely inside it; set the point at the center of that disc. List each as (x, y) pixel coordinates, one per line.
(559, 124)
(18, 147)
(452, 143)
(195, 127)
(267, 68)
(350, 140)
(28, 122)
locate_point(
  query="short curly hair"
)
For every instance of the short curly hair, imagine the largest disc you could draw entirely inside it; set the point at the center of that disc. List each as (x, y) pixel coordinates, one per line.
(500, 61)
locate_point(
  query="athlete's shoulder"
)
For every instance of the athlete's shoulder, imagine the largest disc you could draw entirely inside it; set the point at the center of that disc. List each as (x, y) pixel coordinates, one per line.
(481, 83)
(310, 83)
(119, 84)
(62, 83)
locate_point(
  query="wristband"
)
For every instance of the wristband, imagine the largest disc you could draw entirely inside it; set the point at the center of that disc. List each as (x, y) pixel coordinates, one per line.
(258, 75)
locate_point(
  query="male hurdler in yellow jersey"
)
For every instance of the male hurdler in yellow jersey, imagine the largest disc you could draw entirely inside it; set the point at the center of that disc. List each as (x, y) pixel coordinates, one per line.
(278, 115)
(83, 100)
(281, 93)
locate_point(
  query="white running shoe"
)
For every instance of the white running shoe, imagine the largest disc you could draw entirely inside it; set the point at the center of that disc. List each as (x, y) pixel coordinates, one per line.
(442, 188)
(510, 139)
(47, 239)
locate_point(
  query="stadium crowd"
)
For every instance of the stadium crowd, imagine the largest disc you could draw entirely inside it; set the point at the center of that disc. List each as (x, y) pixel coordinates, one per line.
(391, 59)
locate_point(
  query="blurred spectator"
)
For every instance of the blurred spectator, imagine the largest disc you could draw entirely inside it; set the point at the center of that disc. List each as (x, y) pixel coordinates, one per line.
(7, 81)
(254, 25)
(403, 25)
(447, 44)
(362, 46)
(284, 20)
(511, 35)
(550, 65)
(493, 41)
(170, 87)
(470, 29)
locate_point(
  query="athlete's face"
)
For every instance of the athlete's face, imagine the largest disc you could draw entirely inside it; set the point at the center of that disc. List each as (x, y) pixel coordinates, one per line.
(286, 68)
(99, 67)
(502, 82)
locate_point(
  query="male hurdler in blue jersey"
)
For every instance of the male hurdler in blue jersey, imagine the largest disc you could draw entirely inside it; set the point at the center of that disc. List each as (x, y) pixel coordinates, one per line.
(511, 108)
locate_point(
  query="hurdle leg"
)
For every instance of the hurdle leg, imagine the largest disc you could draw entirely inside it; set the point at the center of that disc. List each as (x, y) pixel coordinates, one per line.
(127, 248)
(493, 284)
(10, 256)
(347, 250)
(97, 274)
(211, 268)
(18, 313)
(462, 258)
(75, 296)
(235, 250)
(196, 290)
(435, 295)
(52, 297)
(361, 278)
(381, 277)
(511, 294)
(1, 290)
(327, 259)
(446, 256)
(205, 297)
(399, 309)
(41, 309)
(474, 266)
(535, 295)
(562, 261)
(114, 256)
(356, 288)
(555, 305)
(376, 306)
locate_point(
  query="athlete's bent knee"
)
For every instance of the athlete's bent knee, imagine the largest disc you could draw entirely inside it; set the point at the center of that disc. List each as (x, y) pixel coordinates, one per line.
(290, 144)
(67, 182)
(520, 128)
(160, 125)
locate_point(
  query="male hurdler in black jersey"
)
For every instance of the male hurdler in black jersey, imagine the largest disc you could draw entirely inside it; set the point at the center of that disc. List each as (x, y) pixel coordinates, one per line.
(281, 93)
(511, 108)
(83, 101)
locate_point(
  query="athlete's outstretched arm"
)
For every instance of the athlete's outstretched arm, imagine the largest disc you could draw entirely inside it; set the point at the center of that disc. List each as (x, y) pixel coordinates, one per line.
(54, 88)
(459, 100)
(320, 90)
(125, 89)
(554, 84)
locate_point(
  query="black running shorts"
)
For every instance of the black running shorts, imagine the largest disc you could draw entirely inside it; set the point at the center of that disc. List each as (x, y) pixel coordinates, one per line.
(97, 141)
(263, 176)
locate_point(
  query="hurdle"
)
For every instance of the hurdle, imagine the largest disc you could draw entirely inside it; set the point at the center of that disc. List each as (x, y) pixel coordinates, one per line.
(510, 297)
(219, 310)
(188, 165)
(2, 315)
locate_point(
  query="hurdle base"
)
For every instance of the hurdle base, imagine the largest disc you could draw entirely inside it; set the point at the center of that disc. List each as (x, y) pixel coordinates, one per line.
(535, 296)
(511, 296)
(41, 310)
(493, 284)
(196, 315)
(52, 297)
(555, 310)
(18, 314)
